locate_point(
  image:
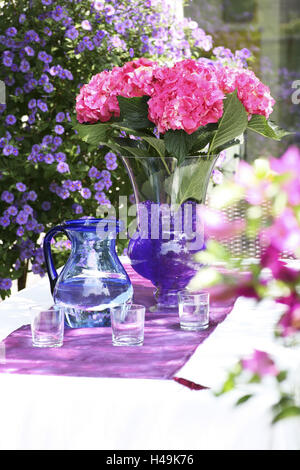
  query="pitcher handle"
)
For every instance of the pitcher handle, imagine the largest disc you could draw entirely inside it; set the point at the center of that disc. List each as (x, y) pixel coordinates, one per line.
(52, 274)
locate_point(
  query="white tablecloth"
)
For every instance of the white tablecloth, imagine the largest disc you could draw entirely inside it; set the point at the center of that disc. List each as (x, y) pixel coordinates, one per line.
(46, 412)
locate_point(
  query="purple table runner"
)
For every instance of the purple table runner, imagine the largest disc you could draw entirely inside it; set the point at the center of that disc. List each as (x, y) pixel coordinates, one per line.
(88, 352)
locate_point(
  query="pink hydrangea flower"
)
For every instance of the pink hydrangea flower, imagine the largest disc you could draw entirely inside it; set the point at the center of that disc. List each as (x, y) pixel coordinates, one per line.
(97, 100)
(261, 364)
(186, 96)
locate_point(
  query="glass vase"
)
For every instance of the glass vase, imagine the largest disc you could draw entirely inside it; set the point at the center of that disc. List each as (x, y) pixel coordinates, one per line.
(168, 232)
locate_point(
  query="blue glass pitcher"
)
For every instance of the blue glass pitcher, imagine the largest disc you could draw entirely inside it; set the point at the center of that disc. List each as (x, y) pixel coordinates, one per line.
(93, 279)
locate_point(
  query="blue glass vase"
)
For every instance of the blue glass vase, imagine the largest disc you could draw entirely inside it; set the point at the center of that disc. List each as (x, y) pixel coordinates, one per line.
(93, 279)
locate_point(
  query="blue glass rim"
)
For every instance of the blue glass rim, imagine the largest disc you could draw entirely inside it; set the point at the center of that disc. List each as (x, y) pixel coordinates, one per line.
(92, 223)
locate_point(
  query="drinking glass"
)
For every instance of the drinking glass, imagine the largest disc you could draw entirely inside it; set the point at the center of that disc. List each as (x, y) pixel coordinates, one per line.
(127, 323)
(47, 326)
(193, 310)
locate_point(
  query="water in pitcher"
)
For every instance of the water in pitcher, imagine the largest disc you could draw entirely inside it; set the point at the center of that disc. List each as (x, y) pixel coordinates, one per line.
(88, 300)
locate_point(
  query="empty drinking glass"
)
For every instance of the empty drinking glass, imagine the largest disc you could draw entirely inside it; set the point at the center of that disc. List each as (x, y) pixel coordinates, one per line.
(47, 326)
(127, 323)
(193, 310)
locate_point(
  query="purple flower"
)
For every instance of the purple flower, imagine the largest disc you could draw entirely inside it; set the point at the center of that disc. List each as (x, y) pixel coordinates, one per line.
(60, 157)
(99, 186)
(49, 158)
(20, 231)
(24, 66)
(43, 56)
(10, 120)
(57, 141)
(29, 51)
(93, 172)
(60, 117)
(131, 52)
(32, 104)
(31, 196)
(22, 218)
(22, 18)
(21, 187)
(42, 105)
(58, 13)
(48, 87)
(46, 2)
(12, 210)
(11, 31)
(7, 61)
(5, 221)
(47, 31)
(8, 150)
(28, 209)
(58, 129)
(46, 206)
(86, 193)
(63, 167)
(72, 33)
(77, 208)
(7, 197)
(5, 284)
(63, 193)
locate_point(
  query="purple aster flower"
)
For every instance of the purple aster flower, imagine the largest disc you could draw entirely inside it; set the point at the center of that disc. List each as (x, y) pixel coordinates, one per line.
(77, 208)
(5, 284)
(58, 13)
(131, 52)
(22, 18)
(93, 172)
(60, 117)
(8, 150)
(111, 165)
(60, 157)
(31, 119)
(11, 31)
(18, 91)
(15, 152)
(78, 184)
(43, 79)
(7, 61)
(22, 218)
(10, 120)
(29, 51)
(105, 174)
(7, 197)
(53, 187)
(42, 55)
(24, 66)
(49, 158)
(28, 209)
(63, 193)
(58, 129)
(85, 193)
(46, 2)
(31, 196)
(72, 33)
(63, 167)
(2, 108)
(47, 31)
(31, 224)
(46, 206)
(99, 186)
(20, 231)
(47, 140)
(57, 141)
(21, 187)
(5, 221)
(32, 104)
(42, 105)
(48, 87)
(12, 210)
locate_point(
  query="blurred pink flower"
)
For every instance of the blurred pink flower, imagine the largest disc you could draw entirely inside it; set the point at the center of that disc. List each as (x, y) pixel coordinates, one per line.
(254, 189)
(289, 323)
(284, 234)
(289, 163)
(216, 225)
(271, 259)
(260, 363)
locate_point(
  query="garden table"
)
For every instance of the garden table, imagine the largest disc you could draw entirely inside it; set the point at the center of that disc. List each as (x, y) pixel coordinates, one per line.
(60, 411)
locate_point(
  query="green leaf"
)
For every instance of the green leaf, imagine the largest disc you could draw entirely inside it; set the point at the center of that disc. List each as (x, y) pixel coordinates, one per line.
(243, 399)
(203, 139)
(93, 134)
(267, 128)
(157, 144)
(134, 112)
(190, 180)
(178, 143)
(232, 124)
(289, 412)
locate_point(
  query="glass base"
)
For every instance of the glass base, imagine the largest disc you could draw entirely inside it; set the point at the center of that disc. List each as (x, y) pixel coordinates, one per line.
(127, 341)
(167, 301)
(45, 344)
(193, 327)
